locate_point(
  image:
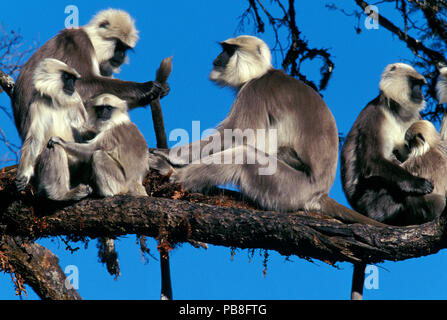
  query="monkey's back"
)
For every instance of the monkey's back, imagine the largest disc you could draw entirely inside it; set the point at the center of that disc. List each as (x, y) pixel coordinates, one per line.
(127, 145)
(64, 46)
(279, 101)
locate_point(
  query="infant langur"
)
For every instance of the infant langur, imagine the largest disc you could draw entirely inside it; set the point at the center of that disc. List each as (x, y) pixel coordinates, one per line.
(426, 157)
(118, 156)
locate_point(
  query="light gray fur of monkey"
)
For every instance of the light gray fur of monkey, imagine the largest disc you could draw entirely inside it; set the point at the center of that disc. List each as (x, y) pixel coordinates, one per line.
(307, 139)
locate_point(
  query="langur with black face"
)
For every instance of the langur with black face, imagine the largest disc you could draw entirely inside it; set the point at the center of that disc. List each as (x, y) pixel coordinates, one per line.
(118, 156)
(56, 109)
(374, 183)
(296, 170)
(95, 51)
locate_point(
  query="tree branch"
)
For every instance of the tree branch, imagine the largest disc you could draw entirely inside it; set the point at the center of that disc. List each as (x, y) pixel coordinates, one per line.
(230, 223)
(37, 266)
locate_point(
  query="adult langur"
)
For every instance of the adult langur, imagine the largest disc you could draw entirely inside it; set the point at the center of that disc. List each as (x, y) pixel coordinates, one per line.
(95, 51)
(374, 184)
(293, 172)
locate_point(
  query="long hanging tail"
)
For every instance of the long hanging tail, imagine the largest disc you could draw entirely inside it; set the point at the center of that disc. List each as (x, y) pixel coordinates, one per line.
(332, 208)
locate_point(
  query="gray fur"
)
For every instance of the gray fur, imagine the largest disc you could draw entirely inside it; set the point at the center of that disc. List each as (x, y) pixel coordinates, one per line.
(118, 156)
(427, 158)
(52, 112)
(305, 154)
(374, 182)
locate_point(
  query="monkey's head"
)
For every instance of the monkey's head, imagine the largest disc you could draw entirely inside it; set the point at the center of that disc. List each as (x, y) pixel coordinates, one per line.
(421, 137)
(57, 80)
(403, 84)
(106, 111)
(242, 59)
(112, 33)
(441, 85)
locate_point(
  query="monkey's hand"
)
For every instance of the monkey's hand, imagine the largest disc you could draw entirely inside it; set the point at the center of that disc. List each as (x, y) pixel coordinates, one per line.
(160, 164)
(165, 89)
(418, 186)
(154, 90)
(55, 140)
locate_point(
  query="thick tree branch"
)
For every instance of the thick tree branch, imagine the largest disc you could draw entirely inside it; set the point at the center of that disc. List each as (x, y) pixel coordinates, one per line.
(36, 266)
(177, 220)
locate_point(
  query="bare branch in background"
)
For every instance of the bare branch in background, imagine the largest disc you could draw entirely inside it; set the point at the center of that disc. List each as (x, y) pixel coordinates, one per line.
(295, 50)
(423, 29)
(13, 51)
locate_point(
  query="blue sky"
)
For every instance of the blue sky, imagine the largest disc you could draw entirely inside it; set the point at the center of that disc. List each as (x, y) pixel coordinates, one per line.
(188, 30)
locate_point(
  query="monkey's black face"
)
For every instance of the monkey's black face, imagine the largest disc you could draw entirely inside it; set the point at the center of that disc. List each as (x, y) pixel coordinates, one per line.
(69, 81)
(416, 89)
(120, 54)
(104, 112)
(224, 57)
(107, 68)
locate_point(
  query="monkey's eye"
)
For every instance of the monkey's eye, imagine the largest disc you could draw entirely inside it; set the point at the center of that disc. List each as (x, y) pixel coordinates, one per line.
(104, 24)
(421, 137)
(229, 48)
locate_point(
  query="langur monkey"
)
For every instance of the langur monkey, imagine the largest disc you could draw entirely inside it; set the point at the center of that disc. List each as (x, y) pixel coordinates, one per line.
(426, 158)
(374, 183)
(306, 151)
(117, 159)
(56, 109)
(118, 156)
(95, 51)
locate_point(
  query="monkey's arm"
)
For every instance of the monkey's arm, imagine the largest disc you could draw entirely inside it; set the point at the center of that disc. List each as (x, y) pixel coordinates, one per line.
(82, 151)
(31, 149)
(398, 176)
(134, 93)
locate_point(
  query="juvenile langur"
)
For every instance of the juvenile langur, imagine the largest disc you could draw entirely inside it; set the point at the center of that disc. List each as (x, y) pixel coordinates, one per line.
(374, 183)
(117, 159)
(267, 99)
(118, 155)
(95, 51)
(56, 109)
(427, 158)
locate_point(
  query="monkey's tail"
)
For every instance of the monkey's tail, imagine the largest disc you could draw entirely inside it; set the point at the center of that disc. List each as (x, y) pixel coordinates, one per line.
(108, 256)
(164, 70)
(333, 209)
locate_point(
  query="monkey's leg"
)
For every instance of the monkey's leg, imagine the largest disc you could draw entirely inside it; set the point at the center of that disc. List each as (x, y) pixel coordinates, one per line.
(265, 179)
(53, 176)
(108, 174)
(186, 154)
(31, 148)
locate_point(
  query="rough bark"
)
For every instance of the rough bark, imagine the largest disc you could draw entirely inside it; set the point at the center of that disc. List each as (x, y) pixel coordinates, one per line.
(35, 265)
(218, 219)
